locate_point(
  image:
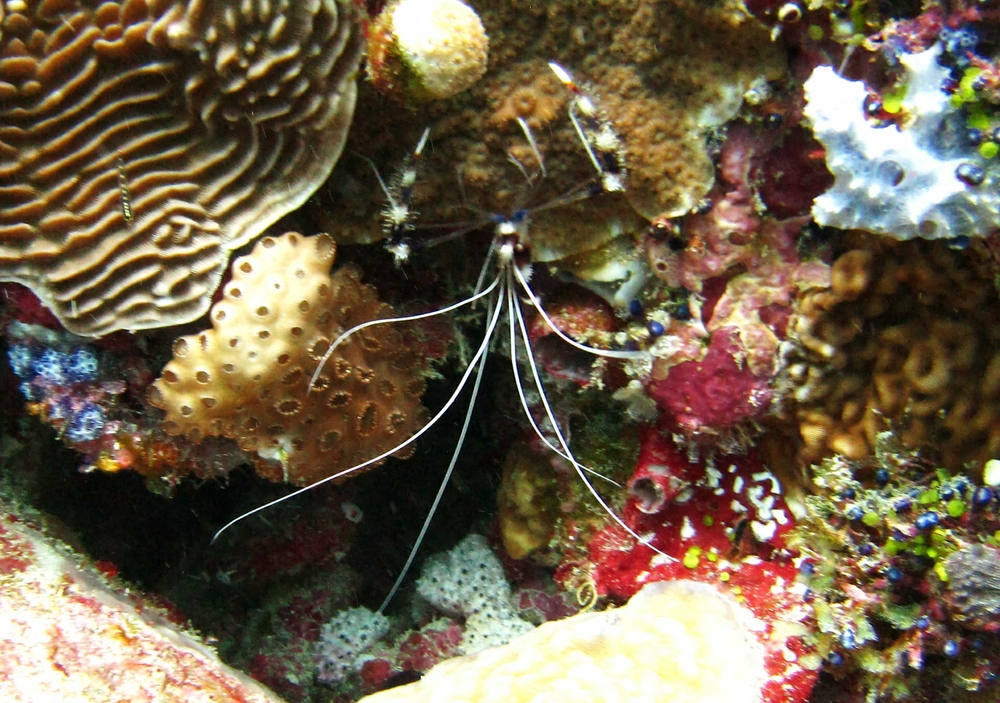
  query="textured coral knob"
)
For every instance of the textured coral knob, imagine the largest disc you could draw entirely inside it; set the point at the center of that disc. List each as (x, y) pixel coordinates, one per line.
(420, 50)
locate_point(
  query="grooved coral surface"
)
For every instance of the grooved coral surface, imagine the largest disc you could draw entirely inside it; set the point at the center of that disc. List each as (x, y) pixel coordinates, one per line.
(681, 641)
(142, 141)
(248, 377)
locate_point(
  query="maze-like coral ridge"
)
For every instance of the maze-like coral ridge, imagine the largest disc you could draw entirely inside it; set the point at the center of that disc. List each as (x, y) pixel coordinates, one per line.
(142, 141)
(248, 377)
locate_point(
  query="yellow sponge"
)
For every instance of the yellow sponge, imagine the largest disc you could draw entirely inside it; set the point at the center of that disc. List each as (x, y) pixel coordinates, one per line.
(677, 641)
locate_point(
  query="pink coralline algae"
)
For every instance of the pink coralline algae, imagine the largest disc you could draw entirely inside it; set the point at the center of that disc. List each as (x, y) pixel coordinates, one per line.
(412, 655)
(716, 391)
(714, 371)
(317, 537)
(722, 522)
(67, 634)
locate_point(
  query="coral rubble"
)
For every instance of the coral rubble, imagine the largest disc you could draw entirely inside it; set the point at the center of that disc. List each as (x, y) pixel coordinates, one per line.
(902, 571)
(250, 376)
(142, 142)
(740, 275)
(722, 521)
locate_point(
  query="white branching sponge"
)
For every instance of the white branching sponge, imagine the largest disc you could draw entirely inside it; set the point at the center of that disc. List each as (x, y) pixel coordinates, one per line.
(469, 582)
(923, 179)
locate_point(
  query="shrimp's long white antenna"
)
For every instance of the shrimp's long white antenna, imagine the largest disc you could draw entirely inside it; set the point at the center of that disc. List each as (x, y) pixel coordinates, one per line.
(486, 263)
(580, 101)
(610, 353)
(386, 320)
(525, 406)
(533, 144)
(413, 438)
(515, 309)
(447, 474)
(385, 189)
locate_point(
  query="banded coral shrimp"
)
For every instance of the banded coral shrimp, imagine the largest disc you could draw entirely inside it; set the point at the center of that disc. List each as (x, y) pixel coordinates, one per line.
(504, 288)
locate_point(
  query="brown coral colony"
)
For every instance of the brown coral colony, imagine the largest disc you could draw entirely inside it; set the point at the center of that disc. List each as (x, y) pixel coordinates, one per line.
(144, 140)
(904, 338)
(248, 377)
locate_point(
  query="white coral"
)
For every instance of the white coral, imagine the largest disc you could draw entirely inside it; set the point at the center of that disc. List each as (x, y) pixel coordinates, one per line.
(900, 182)
(345, 640)
(469, 581)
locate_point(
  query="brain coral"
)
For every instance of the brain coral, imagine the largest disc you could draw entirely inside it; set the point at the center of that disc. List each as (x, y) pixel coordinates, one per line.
(144, 140)
(248, 377)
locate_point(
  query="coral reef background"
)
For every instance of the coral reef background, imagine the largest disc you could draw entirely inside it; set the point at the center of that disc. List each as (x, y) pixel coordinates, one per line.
(793, 435)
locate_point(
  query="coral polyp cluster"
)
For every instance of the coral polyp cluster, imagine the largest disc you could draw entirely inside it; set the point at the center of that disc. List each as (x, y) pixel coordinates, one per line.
(249, 377)
(421, 50)
(905, 337)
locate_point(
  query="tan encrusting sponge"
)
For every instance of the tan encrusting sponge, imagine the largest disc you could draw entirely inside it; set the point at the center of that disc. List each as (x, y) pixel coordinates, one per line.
(676, 642)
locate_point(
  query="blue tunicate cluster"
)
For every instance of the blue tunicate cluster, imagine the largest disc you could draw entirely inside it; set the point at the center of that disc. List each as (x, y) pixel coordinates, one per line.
(59, 408)
(81, 365)
(959, 43)
(86, 424)
(21, 360)
(882, 477)
(50, 366)
(982, 497)
(902, 505)
(30, 393)
(848, 639)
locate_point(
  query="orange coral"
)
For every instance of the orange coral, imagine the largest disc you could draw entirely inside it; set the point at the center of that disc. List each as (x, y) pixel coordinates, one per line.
(538, 98)
(248, 377)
